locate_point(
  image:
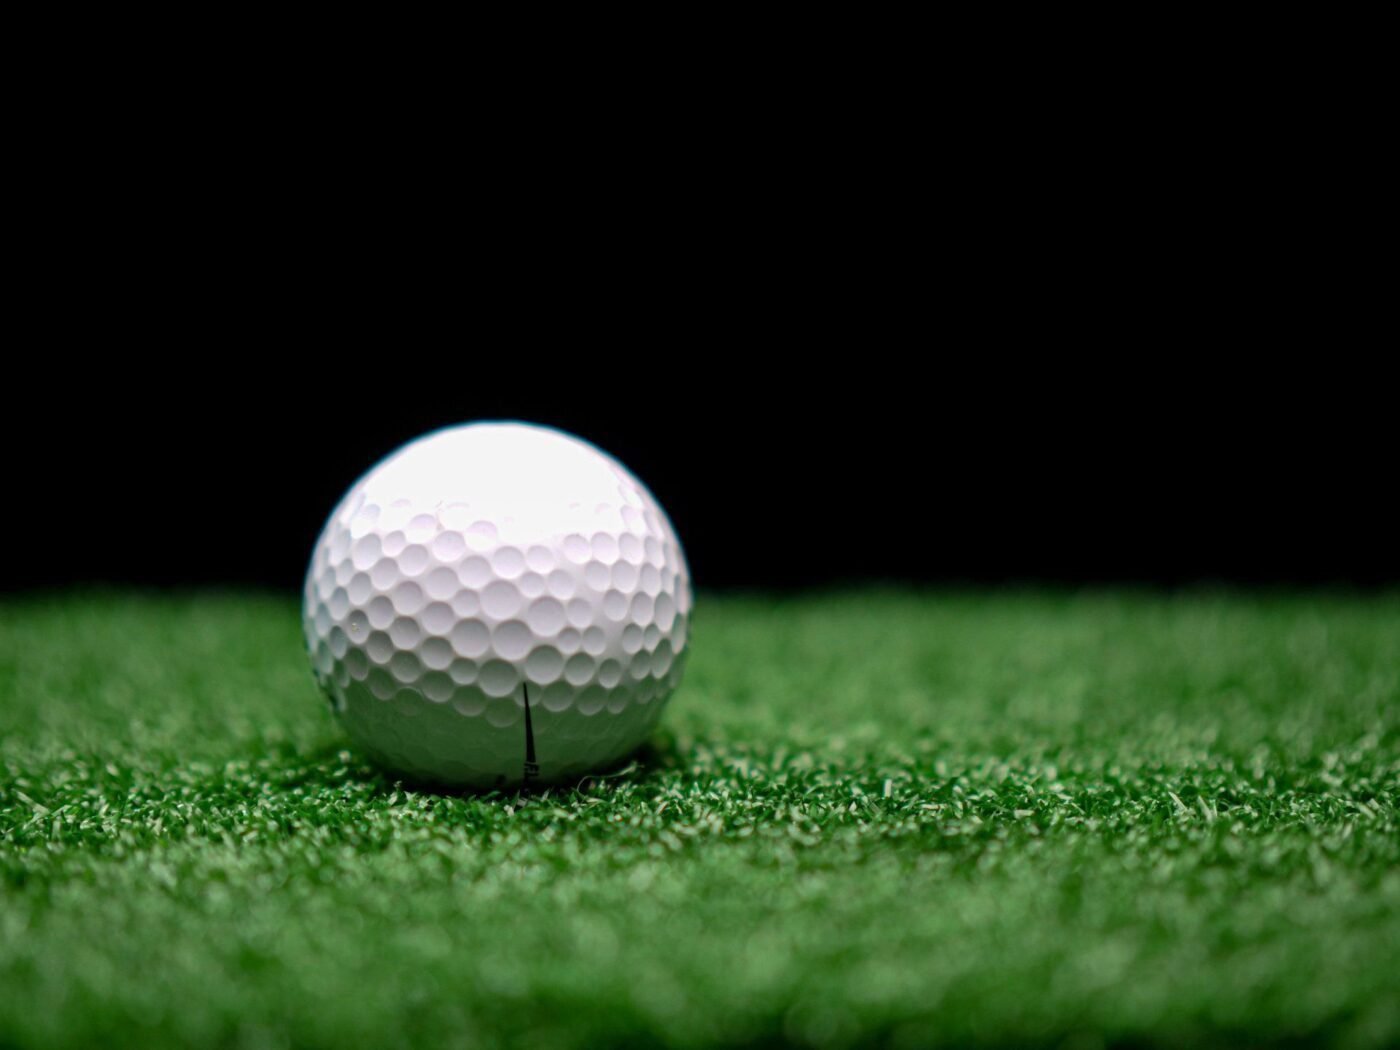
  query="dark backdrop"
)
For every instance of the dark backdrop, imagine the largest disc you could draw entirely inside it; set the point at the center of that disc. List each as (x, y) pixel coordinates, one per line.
(811, 457)
(1119, 338)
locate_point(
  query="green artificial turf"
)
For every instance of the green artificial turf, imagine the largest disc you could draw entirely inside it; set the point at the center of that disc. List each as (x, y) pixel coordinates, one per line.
(1009, 819)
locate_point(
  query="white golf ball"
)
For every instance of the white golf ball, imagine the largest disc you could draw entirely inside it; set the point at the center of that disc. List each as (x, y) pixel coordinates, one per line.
(498, 603)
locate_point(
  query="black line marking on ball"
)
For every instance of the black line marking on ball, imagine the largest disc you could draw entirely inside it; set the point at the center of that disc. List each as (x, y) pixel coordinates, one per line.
(532, 768)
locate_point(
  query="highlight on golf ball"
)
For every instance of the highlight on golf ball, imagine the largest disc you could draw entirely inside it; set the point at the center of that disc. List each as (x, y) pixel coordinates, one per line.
(497, 603)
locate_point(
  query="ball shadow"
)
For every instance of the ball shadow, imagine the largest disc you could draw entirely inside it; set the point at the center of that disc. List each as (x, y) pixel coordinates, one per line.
(651, 760)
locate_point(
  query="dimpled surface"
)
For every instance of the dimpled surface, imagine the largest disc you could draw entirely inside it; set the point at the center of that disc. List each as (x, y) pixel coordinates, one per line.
(482, 564)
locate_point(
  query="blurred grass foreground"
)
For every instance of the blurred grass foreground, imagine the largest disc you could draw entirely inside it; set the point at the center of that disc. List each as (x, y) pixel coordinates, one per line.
(1010, 819)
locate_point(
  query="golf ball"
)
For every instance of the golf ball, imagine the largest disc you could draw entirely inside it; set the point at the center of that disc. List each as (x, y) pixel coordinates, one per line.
(497, 603)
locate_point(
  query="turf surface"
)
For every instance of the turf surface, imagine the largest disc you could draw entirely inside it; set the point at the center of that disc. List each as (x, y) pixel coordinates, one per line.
(1001, 819)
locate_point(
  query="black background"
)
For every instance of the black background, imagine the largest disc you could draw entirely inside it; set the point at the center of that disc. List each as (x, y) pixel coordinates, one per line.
(1039, 328)
(1064, 359)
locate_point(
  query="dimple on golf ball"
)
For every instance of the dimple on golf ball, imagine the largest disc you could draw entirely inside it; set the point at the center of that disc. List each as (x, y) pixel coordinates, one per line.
(498, 603)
